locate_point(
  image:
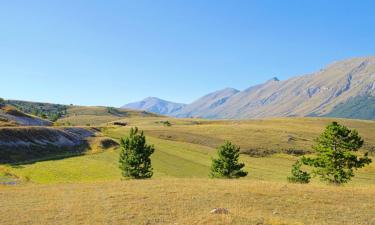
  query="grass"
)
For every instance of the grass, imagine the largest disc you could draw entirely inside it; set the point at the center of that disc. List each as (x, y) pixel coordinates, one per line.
(275, 135)
(97, 115)
(172, 159)
(186, 201)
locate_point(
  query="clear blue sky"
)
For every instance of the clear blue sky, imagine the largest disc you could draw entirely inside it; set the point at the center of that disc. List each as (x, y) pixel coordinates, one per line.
(113, 52)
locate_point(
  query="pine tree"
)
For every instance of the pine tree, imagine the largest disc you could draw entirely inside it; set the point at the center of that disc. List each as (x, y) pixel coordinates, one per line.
(135, 155)
(336, 159)
(299, 176)
(227, 166)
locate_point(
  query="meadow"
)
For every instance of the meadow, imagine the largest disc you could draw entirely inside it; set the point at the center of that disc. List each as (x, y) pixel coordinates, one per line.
(88, 189)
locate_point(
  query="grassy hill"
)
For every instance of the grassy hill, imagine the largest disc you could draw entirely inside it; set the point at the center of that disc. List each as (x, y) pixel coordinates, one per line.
(75, 115)
(98, 115)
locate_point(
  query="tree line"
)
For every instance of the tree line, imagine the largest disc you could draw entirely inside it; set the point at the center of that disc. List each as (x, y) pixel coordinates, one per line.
(335, 160)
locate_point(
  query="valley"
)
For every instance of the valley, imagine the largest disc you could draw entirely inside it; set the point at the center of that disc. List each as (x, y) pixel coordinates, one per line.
(89, 188)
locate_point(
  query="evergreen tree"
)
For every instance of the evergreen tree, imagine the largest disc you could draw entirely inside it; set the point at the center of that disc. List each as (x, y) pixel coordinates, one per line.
(135, 155)
(336, 159)
(299, 176)
(227, 166)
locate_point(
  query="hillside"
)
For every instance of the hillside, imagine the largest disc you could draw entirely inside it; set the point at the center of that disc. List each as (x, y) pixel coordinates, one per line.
(48, 111)
(332, 91)
(206, 103)
(98, 115)
(19, 144)
(155, 105)
(10, 116)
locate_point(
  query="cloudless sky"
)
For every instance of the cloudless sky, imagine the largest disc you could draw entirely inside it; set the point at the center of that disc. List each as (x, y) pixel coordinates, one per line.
(113, 52)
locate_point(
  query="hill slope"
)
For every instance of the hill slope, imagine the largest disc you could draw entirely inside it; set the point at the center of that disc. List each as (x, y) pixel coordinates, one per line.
(29, 143)
(155, 105)
(206, 104)
(97, 115)
(10, 116)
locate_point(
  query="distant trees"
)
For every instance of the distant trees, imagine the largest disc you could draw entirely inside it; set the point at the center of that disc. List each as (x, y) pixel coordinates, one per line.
(336, 157)
(2, 101)
(227, 165)
(135, 155)
(52, 112)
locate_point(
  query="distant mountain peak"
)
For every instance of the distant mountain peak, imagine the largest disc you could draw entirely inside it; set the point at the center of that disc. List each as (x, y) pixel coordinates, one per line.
(155, 105)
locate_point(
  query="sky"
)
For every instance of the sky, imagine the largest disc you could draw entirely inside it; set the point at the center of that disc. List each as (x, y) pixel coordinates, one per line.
(94, 52)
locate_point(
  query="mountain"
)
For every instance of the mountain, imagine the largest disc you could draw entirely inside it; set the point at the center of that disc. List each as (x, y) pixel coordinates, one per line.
(315, 94)
(155, 105)
(342, 89)
(206, 104)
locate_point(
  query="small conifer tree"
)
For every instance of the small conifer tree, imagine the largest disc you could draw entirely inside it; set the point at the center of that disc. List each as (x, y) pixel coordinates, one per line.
(336, 157)
(227, 165)
(135, 155)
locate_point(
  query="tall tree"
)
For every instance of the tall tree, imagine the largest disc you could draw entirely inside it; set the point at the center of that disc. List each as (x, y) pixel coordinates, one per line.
(336, 157)
(135, 155)
(227, 165)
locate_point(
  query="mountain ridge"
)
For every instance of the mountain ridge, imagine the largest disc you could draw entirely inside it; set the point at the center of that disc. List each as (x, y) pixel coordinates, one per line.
(319, 94)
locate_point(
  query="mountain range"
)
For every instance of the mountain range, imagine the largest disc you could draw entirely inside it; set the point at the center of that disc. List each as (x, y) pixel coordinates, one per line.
(342, 89)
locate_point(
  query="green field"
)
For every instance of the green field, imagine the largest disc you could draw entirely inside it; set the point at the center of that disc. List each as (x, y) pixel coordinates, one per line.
(185, 150)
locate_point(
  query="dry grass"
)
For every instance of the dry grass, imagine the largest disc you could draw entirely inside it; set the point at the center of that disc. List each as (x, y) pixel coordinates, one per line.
(97, 115)
(277, 135)
(186, 201)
